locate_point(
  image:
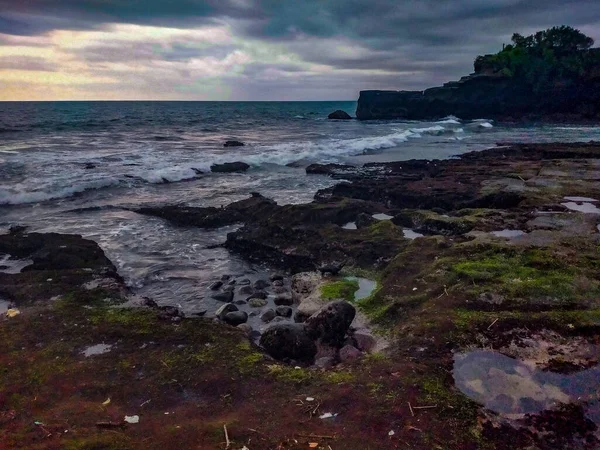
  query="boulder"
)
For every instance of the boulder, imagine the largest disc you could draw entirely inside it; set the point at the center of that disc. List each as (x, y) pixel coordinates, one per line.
(339, 115)
(288, 341)
(348, 353)
(233, 144)
(226, 296)
(268, 315)
(331, 322)
(309, 306)
(327, 362)
(261, 284)
(246, 290)
(284, 300)
(365, 341)
(235, 318)
(257, 302)
(225, 309)
(283, 311)
(230, 167)
(278, 283)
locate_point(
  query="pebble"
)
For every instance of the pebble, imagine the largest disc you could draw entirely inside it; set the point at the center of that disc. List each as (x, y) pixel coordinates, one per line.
(268, 315)
(244, 282)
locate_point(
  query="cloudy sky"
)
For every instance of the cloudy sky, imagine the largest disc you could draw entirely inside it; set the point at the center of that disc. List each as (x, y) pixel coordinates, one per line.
(256, 49)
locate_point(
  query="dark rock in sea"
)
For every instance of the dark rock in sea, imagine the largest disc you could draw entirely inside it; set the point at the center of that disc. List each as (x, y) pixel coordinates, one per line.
(268, 315)
(339, 115)
(249, 210)
(258, 294)
(261, 284)
(330, 169)
(246, 290)
(240, 302)
(278, 283)
(348, 353)
(233, 144)
(216, 286)
(225, 277)
(90, 166)
(244, 282)
(235, 318)
(229, 288)
(225, 309)
(331, 323)
(226, 296)
(230, 167)
(257, 302)
(283, 311)
(276, 277)
(364, 220)
(288, 341)
(284, 300)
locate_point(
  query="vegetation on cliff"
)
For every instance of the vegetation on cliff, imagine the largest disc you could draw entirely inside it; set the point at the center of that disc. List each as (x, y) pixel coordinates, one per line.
(546, 58)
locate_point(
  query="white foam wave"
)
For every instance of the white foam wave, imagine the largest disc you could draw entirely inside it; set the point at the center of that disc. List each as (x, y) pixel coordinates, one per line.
(19, 194)
(485, 125)
(450, 120)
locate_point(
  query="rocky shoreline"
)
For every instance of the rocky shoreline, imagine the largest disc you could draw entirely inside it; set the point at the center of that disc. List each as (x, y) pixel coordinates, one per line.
(487, 279)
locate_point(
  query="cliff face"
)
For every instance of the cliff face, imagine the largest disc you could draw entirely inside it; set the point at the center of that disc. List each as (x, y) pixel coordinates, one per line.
(487, 96)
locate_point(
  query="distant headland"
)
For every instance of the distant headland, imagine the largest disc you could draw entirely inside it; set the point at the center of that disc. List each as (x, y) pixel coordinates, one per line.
(551, 75)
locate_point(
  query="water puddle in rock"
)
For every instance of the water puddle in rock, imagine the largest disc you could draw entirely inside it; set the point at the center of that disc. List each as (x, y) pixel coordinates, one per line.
(410, 234)
(382, 216)
(350, 226)
(4, 306)
(365, 287)
(97, 349)
(513, 388)
(8, 265)
(580, 199)
(586, 208)
(508, 233)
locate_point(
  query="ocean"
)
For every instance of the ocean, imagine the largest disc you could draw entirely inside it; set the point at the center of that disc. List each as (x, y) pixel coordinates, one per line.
(79, 167)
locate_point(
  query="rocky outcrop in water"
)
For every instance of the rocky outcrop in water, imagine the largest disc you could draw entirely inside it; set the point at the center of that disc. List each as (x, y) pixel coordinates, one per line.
(339, 115)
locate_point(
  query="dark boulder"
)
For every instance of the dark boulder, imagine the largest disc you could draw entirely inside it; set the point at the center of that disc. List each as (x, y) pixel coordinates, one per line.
(261, 284)
(233, 144)
(225, 309)
(230, 167)
(288, 341)
(276, 277)
(226, 296)
(331, 322)
(216, 286)
(268, 315)
(330, 169)
(235, 318)
(284, 300)
(283, 311)
(339, 115)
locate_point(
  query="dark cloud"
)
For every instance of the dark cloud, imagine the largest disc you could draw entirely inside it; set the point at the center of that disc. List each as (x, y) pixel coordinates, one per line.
(366, 43)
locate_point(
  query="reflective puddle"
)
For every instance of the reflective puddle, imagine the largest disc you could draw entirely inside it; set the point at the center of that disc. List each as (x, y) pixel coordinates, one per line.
(8, 265)
(97, 349)
(581, 204)
(365, 287)
(512, 388)
(382, 216)
(508, 233)
(350, 226)
(410, 234)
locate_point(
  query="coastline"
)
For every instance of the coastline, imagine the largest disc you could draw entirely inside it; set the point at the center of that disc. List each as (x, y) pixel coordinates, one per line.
(461, 288)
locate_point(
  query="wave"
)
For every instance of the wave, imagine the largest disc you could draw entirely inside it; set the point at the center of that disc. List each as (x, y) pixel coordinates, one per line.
(449, 120)
(17, 195)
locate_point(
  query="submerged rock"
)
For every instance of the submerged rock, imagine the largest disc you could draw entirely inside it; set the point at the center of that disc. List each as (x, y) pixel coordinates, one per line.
(284, 311)
(284, 300)
(288, 341)
(216, 286)
(339, 115)
(233, 144)
(257, 302)
(230, 167)
(268, 315)
(226, 296)
(331, 323)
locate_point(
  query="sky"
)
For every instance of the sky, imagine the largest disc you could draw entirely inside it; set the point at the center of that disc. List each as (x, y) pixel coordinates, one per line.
(257, 49)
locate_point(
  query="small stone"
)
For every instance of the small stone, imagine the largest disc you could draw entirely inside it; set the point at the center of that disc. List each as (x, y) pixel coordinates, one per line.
(225, 277)
(261, 284)
(283, 311)
(216, 286)
(246, 290)
(325, 363)
(244, 282)
(254, 313)
(278, 283)
(284, 300)
(240, 302)
(224, 296)
(235, 318)
(225, 309)
(268, 315)
(276, 277)
(348, 352)
(257, 302)
(233, 144)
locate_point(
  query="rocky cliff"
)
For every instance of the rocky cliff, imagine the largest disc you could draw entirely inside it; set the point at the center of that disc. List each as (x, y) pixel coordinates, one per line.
(490, 96)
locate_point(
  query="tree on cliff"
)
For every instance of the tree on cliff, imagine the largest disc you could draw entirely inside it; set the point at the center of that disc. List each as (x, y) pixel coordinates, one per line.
(556, 55)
